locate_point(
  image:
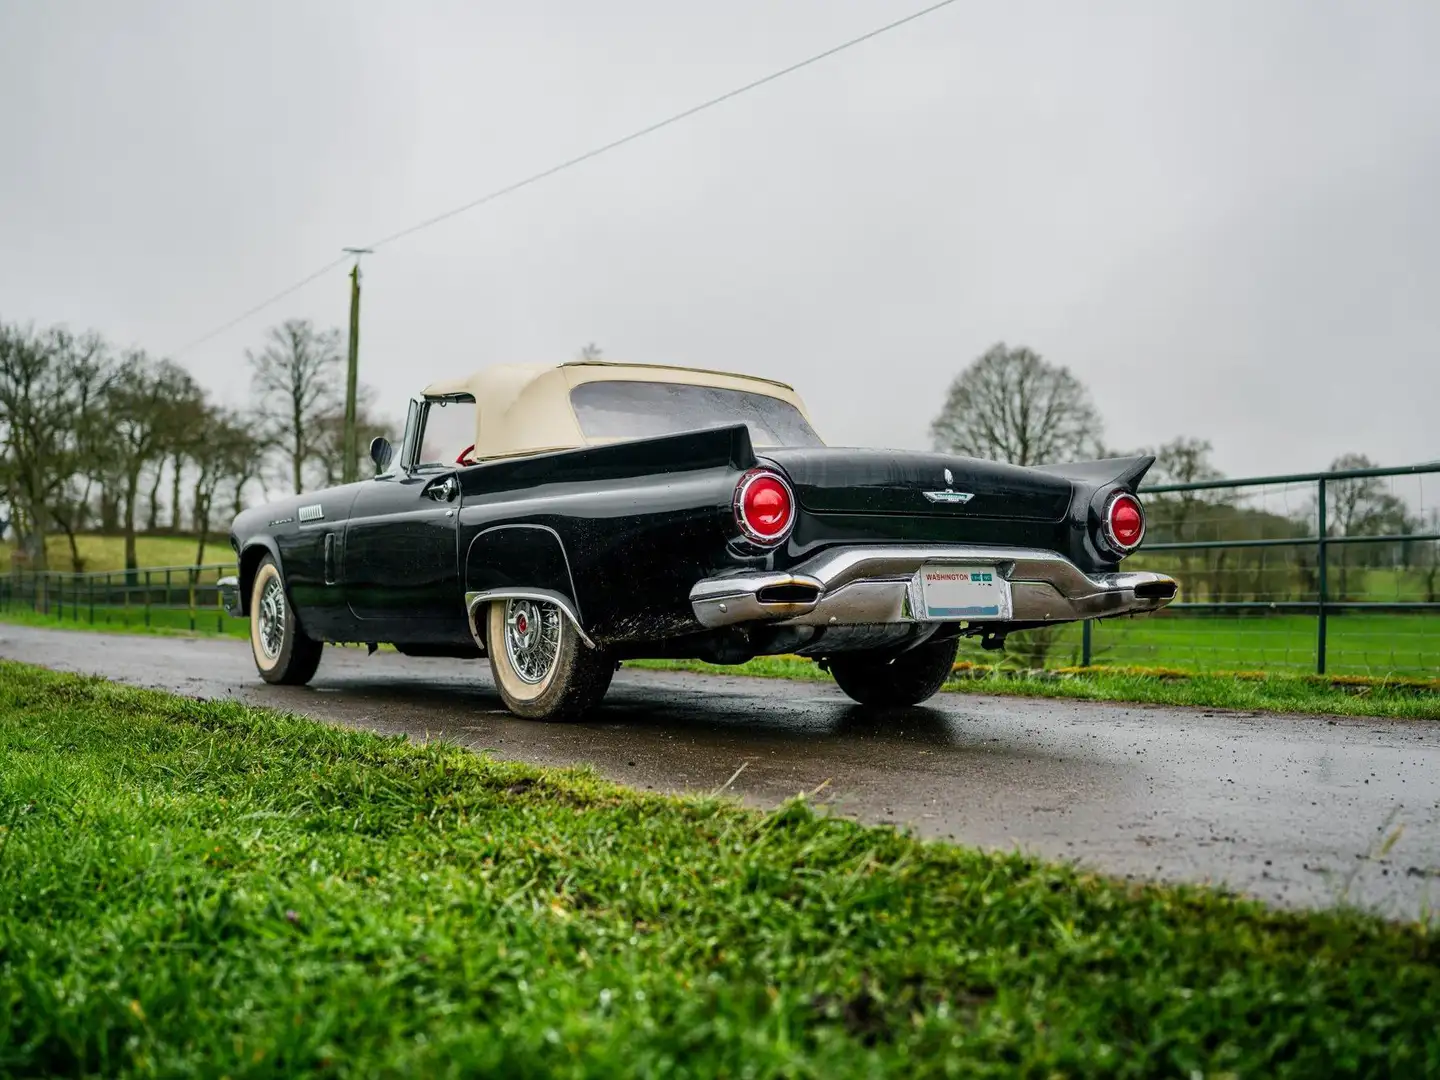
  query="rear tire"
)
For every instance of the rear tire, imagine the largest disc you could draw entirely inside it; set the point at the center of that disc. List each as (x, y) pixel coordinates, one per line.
(283, 654)
(908, 679)
(541, 667)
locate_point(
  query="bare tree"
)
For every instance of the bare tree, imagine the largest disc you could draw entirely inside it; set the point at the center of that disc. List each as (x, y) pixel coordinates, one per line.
(297, 380)
(70, 506)
(146, 403)
(48, 383)
(328, 456)
(590, 351)
(247, 467)
(228, 450)
(1010, 405)
(1359, 506)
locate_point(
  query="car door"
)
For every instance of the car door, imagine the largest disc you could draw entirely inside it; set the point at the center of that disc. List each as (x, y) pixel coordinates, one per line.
(401, 559)
(400, 550)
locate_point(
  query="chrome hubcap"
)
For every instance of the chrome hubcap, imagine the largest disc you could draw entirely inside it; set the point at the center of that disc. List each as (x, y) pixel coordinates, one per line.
(270, 618)
(532, 638)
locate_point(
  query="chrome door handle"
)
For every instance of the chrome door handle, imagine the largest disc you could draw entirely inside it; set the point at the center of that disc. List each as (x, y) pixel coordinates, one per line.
(445, 490)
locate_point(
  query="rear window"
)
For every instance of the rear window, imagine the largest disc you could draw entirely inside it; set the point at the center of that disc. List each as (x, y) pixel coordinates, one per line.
(639, 410)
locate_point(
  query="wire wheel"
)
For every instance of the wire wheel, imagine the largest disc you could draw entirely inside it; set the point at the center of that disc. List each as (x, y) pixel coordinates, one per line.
(532, 639)
(283, 652)
(270, 618)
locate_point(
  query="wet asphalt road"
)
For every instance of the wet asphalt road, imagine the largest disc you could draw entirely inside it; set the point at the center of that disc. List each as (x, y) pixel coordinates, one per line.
(1290, 809)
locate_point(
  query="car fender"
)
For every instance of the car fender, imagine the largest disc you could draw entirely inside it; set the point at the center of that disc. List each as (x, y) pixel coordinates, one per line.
(509, 561)
(251, 555)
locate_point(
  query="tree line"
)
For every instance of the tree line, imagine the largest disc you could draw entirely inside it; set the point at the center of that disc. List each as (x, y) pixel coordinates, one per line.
(111, 440)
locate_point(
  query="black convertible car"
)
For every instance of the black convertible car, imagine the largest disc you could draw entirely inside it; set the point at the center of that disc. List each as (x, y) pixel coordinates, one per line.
(561, 519)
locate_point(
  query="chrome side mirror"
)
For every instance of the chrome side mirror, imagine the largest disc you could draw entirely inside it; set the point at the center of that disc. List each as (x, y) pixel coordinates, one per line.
(381, 452)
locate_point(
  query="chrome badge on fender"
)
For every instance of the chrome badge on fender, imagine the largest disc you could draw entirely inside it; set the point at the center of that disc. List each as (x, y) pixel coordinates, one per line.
(949, 495)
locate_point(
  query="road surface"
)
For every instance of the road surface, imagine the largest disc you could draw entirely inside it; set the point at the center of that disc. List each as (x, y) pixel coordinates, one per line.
(1290, 809)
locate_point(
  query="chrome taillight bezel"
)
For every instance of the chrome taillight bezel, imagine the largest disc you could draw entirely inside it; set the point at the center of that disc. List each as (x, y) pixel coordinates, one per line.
(1107, 523)
(737, 506)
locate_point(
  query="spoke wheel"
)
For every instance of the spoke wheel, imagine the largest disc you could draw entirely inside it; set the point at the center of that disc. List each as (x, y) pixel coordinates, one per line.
(532, 639)
(270, 618)
(542, 669)
(282, 651)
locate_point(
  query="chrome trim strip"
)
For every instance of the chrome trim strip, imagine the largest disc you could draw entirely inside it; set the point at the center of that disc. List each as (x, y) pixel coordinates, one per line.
(865, 584)
(475, 600)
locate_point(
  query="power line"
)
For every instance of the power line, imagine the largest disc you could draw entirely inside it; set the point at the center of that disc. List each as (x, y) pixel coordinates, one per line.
(651, 129)
(263, 305)
(577, 160)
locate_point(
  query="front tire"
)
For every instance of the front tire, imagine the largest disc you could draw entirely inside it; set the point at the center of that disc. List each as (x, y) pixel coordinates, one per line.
(908, 679)
(283, 654)
(541, 667)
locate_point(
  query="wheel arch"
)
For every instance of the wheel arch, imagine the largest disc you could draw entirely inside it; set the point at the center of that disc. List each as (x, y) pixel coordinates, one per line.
(251, 556)
(514, 561)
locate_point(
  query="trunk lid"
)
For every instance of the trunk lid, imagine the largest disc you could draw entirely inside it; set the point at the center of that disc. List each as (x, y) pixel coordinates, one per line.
(844, 481)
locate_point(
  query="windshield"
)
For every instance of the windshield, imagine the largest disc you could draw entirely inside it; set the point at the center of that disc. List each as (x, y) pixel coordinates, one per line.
(449, 432)
(639, 410)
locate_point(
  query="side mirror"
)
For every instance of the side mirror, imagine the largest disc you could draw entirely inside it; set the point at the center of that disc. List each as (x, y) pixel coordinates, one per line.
(381, 452)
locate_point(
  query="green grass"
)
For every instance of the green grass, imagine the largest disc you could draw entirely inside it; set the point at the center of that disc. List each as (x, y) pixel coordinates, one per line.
(209, 621)
(201, 888)
(99, 553)
(1359, 643)
(1276, 693)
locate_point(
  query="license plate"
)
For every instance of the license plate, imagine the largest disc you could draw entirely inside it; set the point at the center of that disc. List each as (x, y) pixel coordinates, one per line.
(964, 592)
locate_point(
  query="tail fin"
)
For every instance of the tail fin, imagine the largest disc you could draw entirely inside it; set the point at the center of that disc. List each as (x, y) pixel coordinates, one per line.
(1125, 471)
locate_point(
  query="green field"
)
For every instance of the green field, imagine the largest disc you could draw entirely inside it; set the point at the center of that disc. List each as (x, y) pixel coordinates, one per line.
(1358, 643)
(201, 888)
(99, 553)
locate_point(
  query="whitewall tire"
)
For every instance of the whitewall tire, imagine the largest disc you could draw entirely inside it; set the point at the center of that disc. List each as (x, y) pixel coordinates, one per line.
(283, 654)
(542, 669)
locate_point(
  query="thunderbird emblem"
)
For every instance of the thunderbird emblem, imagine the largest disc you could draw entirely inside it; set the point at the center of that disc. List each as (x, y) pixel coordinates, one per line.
(949, 495)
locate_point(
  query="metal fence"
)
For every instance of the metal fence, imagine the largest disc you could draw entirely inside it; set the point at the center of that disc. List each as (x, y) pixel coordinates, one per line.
(161, 597)
(1334, 572)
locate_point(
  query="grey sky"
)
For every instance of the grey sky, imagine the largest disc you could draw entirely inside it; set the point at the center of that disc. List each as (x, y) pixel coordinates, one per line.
(1222, 216)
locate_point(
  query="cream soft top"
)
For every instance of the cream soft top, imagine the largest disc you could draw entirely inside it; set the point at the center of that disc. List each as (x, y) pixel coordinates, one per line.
(525, 408)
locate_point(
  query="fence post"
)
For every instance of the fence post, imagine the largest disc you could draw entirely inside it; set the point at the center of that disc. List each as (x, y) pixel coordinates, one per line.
(147, 597)
(90, 584)
(1085, 650)
(1321, 582)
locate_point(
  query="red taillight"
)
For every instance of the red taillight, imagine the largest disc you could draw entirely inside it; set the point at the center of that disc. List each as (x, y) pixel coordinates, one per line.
(764, 507)
(1124, 523)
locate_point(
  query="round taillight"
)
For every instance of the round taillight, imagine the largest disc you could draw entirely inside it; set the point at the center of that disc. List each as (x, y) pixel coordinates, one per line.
(764, 507)
(1124, 523)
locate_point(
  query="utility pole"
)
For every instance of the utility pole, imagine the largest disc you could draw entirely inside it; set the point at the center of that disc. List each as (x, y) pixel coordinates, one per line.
(351, 465)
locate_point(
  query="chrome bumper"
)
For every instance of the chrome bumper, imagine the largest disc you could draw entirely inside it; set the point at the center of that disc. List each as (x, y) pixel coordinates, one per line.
(851, 586)
(230, 596)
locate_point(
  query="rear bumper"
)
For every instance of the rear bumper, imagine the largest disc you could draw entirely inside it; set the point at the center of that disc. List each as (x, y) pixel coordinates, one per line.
(865, 585)
(230, 596)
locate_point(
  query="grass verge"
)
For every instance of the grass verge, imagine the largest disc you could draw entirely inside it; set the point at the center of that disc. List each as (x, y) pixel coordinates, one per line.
(1247, 691)
(165, 622)
(206, 888)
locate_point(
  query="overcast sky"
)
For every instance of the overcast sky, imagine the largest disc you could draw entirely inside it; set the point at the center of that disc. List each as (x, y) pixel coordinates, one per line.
(1223, 217)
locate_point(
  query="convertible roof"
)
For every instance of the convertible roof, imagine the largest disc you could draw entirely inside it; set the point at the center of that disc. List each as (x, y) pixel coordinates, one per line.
(525, 408)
